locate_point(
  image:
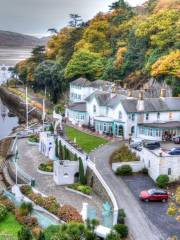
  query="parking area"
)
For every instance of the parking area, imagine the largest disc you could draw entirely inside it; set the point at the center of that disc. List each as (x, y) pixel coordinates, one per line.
(155, 211)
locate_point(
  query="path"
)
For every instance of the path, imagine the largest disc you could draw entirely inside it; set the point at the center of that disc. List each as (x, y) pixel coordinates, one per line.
(139, 225)
(29, 160)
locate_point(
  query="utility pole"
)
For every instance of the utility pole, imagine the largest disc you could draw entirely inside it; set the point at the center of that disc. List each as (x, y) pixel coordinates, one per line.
(27, 120)
(44, 112)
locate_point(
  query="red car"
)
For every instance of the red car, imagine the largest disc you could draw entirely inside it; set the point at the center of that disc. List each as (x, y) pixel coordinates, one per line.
(154, 195)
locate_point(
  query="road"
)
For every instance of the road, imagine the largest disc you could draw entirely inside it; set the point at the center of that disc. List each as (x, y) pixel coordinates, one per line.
(140, 227)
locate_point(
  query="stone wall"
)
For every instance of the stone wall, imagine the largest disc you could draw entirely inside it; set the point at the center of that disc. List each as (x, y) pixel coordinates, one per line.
(94, 182)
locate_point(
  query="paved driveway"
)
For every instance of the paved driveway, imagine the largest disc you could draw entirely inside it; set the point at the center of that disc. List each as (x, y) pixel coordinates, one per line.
(156, 211)
(140, 226)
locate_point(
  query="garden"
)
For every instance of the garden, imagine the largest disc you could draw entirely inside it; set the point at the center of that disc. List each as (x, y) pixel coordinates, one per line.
(123, 154)
(85, 141)
(46, 167)
(33, 138)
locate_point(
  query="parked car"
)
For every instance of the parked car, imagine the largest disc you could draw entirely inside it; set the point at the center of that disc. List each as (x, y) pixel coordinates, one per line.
(152, 145)
(154, 195)
(136, 142)
(174, 151)
(176, 140)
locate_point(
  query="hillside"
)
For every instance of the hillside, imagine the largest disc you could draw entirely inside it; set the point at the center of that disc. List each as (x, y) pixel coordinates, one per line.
(12, 39)
(131, 45)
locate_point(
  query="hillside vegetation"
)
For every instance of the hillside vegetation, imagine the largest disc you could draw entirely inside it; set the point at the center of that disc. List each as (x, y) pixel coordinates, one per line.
(126, 44)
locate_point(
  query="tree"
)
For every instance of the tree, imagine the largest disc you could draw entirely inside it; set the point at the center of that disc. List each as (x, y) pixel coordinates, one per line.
(82, 176)
(53, 30)
(57, 148)
(25, 234)
(84, 63)
(75, 21)
(119, 4)
(38, 54)
(61, 152)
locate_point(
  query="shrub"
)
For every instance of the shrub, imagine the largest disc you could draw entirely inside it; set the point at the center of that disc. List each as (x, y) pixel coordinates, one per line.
(33, 138)
(7, 202)
(121, 216)
(145, 171)
(121, 229)
(123, 154)
(26, 208)
(3, 211)
(24, 234)
(82, 176)
(46, 167)
(68, 214)
(36, 231)
(162, 181)
(81, 188)
(26, 189)
(124, 170)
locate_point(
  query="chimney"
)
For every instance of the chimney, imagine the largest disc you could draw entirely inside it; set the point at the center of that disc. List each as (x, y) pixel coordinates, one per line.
(163, 93)
(125, 86)
(130, 93)
(141, 95)
(140, 102)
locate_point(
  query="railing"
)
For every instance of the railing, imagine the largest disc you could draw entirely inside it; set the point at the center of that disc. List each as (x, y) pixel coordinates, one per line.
(92, 166)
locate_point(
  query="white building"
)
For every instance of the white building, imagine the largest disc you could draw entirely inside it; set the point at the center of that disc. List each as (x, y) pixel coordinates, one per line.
(122, 116)
(66, 172)
(47, 144)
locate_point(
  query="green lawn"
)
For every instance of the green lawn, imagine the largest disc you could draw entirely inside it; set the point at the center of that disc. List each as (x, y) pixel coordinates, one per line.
(9, 226)
(86, 141)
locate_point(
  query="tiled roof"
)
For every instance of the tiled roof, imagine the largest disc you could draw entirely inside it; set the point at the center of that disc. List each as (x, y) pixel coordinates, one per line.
(79, 107)
(173, 124)
(100, 83)
(81, 82)
(152, 104)
(102, 97)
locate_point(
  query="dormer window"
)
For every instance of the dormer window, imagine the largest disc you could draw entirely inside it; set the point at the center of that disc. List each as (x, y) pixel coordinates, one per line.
(94, 109)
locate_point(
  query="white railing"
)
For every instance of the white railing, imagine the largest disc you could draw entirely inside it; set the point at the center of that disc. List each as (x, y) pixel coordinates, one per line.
(92, 166)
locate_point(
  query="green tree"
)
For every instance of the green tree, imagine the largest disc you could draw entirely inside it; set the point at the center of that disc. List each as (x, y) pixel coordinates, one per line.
(56, 148)
(82, 176)
(75, 20)
(84, 63)
(25, 234)
(61, 151)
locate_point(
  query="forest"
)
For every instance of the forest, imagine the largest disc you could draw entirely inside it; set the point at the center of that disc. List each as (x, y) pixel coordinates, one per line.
(126, 44)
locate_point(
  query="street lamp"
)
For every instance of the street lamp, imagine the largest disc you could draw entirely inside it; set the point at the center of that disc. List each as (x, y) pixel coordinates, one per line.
(16, 166)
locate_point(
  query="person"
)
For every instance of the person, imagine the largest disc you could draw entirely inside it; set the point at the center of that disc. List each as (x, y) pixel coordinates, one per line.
(130, 139)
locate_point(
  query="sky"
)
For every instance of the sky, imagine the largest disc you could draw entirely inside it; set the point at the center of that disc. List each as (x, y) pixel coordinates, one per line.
(36, 16)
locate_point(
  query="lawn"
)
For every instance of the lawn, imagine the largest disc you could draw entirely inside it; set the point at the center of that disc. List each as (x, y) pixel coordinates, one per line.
(86, 141)
(9, 226)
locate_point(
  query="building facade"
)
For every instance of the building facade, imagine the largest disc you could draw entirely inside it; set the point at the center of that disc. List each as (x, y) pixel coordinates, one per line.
(120, 115)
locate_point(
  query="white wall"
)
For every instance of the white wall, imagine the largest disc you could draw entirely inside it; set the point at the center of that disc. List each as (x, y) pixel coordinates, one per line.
(136, 166)
(83, 92)
(65, 173)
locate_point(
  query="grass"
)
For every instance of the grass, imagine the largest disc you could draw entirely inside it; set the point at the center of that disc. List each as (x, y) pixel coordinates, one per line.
(9, 226)
(86, 141)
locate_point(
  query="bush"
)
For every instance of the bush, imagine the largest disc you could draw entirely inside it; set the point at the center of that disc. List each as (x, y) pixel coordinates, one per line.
(33, 138)
(7, 202)
(46, 167)
(81, 188)
(121, 229)
(3, 211)
(124, 170)
(26, 189)
(121, 216)
(123, 154)
(69, 214)
(145, 171)
(24, 234)
(26, 208)
(162, 181)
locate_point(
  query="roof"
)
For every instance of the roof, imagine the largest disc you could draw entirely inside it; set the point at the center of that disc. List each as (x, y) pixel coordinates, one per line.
(78, 106)
(152, 104)
(83, 82)
(172, 124)
(100, 83)
(102, 97)
(115, 100)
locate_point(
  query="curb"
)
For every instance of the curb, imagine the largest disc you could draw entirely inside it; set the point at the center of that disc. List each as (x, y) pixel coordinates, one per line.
(77, 192)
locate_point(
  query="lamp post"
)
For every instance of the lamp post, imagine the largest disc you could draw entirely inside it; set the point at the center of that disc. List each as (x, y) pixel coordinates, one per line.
(16, 166)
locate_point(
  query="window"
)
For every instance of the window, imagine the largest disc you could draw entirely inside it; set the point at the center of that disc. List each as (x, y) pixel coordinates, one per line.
(133, 116)
(94, 108)
(169, 171)
(147, 116)
(120, 115)
(170, 115)
(158, 115)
